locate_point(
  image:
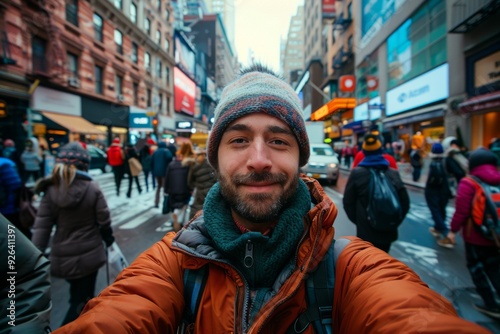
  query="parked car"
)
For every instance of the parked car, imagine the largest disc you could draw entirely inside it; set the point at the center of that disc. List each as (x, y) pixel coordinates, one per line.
(98, 159)
(323, 164)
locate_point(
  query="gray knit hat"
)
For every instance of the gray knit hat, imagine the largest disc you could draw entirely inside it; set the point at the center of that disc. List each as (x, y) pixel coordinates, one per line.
(261, 91)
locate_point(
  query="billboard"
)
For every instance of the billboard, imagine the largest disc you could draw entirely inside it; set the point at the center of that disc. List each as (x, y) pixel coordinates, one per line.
(184, 92)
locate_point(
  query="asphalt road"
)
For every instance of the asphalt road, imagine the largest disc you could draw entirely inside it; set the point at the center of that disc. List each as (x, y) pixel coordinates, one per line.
(137, 225)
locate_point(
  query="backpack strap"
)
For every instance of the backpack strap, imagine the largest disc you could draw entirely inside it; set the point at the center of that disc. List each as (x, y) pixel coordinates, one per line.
(194, 284)
(320, 286)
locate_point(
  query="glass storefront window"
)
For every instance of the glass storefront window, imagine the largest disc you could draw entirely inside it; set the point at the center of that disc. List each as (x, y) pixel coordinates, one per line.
(419, 44)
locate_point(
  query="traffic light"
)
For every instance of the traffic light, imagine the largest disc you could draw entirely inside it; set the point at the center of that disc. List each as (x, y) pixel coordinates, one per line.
(3, 109)
(155, 126)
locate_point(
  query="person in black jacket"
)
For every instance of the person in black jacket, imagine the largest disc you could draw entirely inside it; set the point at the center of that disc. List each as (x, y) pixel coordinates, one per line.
(176, 184)
(357, 194)
(159, 163)
(130, 153)
(437, 194)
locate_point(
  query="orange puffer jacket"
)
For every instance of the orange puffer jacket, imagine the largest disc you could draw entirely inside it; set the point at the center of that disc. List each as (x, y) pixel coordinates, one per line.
(374, 293)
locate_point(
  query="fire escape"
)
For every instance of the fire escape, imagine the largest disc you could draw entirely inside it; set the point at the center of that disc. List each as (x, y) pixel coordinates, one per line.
(39, 16)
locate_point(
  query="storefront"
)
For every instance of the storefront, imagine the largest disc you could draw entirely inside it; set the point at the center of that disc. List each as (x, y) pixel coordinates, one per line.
(111, 118)
(56, 118)
(483, 89)
(418, 105)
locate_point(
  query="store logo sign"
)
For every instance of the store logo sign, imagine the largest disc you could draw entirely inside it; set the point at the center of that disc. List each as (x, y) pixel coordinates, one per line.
(427, 88)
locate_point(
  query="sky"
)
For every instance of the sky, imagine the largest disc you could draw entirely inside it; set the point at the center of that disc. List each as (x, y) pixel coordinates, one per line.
(259, 26)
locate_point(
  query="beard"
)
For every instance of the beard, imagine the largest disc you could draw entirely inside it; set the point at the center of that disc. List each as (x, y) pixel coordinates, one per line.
(258, 208)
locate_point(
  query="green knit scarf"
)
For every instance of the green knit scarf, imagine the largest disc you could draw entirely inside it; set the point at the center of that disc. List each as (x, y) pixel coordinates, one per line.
(270, 253)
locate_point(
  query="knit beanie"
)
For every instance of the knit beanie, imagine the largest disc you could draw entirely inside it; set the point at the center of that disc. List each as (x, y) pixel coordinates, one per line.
(253, 92)
(482, 156)
(372, 145)
(437, 148)
(74, 154)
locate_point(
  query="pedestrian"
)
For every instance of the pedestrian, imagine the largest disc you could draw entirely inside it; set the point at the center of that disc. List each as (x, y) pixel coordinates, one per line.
(456, 162)
(416, 161)
(347, 154)
(264, 230)
(388, 149)
(75, 205)
(26, 291)
(437, 194)
(31, 159)
(146, 156)
(357, 194)
(176, 184)
(159, 162)
(10, 152)
(10, 183)
(201, 178)
(133, 170)
(116, 159)
(360, 156)
(482, 255)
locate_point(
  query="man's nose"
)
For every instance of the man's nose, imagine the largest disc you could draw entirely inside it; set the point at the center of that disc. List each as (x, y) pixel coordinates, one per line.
(259, 158)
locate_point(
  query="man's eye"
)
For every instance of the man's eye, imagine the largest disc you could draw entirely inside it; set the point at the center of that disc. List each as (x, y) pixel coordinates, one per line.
(238, 141)
(279, 142)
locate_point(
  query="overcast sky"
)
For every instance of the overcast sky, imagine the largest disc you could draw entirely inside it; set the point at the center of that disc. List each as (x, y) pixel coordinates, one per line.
(259, 26)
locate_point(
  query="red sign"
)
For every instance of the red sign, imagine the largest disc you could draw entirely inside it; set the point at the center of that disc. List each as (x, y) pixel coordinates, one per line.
(347, 83)
(371, 83)
(184, 92)
(328, 9)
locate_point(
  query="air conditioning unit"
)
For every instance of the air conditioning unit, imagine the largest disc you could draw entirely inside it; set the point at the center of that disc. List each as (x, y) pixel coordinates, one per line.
(121, 98)
(74, 82)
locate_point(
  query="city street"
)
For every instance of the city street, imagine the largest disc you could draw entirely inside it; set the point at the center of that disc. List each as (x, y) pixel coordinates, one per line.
(137, 225)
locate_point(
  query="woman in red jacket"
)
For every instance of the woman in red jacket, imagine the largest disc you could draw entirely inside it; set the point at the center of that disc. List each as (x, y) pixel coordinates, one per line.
(483, 259)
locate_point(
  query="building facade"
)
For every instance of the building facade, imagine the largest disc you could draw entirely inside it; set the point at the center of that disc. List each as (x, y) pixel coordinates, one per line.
(292, 51)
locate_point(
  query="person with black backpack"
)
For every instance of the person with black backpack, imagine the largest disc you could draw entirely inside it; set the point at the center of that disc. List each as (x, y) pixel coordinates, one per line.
(375, 198)
(437, 194)
(482, 250)
(261, 256)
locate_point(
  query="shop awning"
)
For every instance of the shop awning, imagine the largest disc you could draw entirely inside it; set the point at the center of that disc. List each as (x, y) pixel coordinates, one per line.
(74, 124)
(419, 115)
(353, 125)
(480, 102)
(336, 105)
(200, 139)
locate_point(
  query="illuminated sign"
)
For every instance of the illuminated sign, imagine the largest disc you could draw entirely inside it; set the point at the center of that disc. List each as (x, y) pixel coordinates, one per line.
(425, 89)
(184, 92)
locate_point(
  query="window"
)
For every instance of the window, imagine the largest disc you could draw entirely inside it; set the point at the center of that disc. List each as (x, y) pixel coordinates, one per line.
(98, 27)
(119, 85)
(133, 12)
(160, 103)
(418, 45)
(158, 37)
(118, 4)
(72, 11)
(119, 41)
(167, 45)
(135, 53)
(349, 11)
(167, 74)
(98, 75)
(158, 68)
(349, 44)
(148, 97)
(167, 14)
(168, 104)
(135, 88)
(158, 5)
(39, 50)
(147, 26)
(147, 61)
(72, 64)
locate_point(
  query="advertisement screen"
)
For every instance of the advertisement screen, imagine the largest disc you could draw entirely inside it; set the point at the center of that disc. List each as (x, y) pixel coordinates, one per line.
(328, 9)
(184, 92)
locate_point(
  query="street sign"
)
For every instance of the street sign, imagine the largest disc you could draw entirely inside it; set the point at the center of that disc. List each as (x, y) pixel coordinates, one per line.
(151, 113)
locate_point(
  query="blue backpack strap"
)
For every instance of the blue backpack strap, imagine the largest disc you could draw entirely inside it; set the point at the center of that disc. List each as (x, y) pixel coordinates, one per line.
(320, 286)
(194, 284)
